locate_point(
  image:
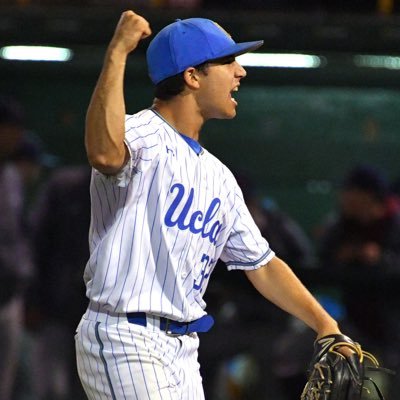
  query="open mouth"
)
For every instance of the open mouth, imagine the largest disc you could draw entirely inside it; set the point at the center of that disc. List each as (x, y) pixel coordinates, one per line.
(236, 89)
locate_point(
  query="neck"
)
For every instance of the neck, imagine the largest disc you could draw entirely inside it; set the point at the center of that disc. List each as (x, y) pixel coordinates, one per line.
(181, 114)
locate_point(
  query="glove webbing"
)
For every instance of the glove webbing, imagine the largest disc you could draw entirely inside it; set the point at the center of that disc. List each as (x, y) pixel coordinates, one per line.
(362, 356)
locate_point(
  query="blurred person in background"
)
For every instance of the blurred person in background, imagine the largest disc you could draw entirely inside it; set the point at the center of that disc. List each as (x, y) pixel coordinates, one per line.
(28, 158)
(32, 164)
(284, 233)
(360, 249)
(16, 265)
(60, 224)
(365, 232)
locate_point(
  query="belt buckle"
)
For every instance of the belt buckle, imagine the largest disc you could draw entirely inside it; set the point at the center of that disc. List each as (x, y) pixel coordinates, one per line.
(169, 333)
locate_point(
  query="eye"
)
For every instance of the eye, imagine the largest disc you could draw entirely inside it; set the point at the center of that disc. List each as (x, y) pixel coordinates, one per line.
(223, 60)
(228, 60)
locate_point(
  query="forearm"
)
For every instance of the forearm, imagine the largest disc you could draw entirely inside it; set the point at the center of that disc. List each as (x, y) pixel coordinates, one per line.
(105, 119)
(277, 283)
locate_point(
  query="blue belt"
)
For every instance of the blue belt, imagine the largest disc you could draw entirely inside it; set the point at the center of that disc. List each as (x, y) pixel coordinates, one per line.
(174, 328)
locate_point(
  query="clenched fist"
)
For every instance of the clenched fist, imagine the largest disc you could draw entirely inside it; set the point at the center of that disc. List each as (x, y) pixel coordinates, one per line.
(130, 30)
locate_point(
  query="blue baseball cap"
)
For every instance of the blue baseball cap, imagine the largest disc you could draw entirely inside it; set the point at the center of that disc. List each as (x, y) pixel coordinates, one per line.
(190, 42)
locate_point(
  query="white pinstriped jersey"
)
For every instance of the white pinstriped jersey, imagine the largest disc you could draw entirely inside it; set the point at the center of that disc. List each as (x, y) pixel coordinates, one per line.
(159, 227)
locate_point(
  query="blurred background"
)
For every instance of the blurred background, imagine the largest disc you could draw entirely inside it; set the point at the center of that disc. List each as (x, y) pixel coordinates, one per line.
(315, 147)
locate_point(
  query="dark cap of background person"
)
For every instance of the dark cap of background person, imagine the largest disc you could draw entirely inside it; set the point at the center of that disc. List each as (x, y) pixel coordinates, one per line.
(368, 179)
(11, 111)
(188, 43)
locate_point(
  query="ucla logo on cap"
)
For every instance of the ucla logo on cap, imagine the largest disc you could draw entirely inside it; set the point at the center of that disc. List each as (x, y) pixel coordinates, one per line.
(222, 29)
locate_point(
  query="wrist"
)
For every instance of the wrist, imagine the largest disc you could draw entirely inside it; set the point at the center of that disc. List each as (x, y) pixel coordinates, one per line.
(116, 53)
(329, 327)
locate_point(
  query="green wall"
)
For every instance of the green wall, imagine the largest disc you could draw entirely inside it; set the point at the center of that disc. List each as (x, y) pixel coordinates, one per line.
(296, 142)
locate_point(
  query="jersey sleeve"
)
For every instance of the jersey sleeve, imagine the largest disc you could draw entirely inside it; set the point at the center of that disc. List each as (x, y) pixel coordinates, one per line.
(141, 140)
(246, 248)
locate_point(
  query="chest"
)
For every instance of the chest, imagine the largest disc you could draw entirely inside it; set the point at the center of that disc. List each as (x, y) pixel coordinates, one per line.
(192, 192)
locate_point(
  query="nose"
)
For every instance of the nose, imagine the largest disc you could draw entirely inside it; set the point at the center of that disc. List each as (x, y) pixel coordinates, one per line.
(240, 71)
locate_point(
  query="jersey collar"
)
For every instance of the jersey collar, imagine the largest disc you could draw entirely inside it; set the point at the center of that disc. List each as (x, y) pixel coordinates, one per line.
(193, 144)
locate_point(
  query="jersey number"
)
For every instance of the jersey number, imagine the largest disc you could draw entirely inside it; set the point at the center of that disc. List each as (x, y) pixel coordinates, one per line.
(206, 269)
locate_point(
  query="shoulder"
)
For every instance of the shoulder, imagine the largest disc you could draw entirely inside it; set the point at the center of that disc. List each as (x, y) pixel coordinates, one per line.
(218, 165)
(146, 127)
(140, 119)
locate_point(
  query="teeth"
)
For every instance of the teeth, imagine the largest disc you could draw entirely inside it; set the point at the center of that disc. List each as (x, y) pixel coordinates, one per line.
(236, 89)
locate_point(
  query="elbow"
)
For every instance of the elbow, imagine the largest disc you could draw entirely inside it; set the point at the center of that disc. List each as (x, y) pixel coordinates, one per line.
(104, 154)
(106, 164)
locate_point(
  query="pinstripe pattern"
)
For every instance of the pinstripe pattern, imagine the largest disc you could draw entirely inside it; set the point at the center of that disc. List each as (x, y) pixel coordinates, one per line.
(157, 231)
(131, 362)
(140, 263)
(101, 353)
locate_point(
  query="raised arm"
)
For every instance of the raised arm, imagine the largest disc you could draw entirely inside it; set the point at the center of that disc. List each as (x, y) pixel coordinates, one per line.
(105, 119)
(277, 283)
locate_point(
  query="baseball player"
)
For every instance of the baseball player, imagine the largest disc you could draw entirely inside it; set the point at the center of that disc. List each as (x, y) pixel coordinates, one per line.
(164, 210)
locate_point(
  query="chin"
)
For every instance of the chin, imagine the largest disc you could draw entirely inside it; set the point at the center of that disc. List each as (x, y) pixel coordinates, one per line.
(232, 115)
(229, 114)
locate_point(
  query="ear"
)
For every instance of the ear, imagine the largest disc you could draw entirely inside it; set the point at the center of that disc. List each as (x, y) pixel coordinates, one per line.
(191, 77)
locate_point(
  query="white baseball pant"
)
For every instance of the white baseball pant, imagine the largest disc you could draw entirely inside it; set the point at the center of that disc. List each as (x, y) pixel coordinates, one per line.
(120, 360)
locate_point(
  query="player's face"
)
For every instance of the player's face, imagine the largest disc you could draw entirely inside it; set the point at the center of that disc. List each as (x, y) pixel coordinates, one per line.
(361, 206)
(219, 83)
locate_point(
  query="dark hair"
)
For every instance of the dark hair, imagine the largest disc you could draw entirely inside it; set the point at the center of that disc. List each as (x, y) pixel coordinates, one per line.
(169, 87)
(172, 86)
(368, 179)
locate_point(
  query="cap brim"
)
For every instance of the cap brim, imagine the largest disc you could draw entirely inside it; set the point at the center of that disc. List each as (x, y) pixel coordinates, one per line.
(240, 48)
(247, 46)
